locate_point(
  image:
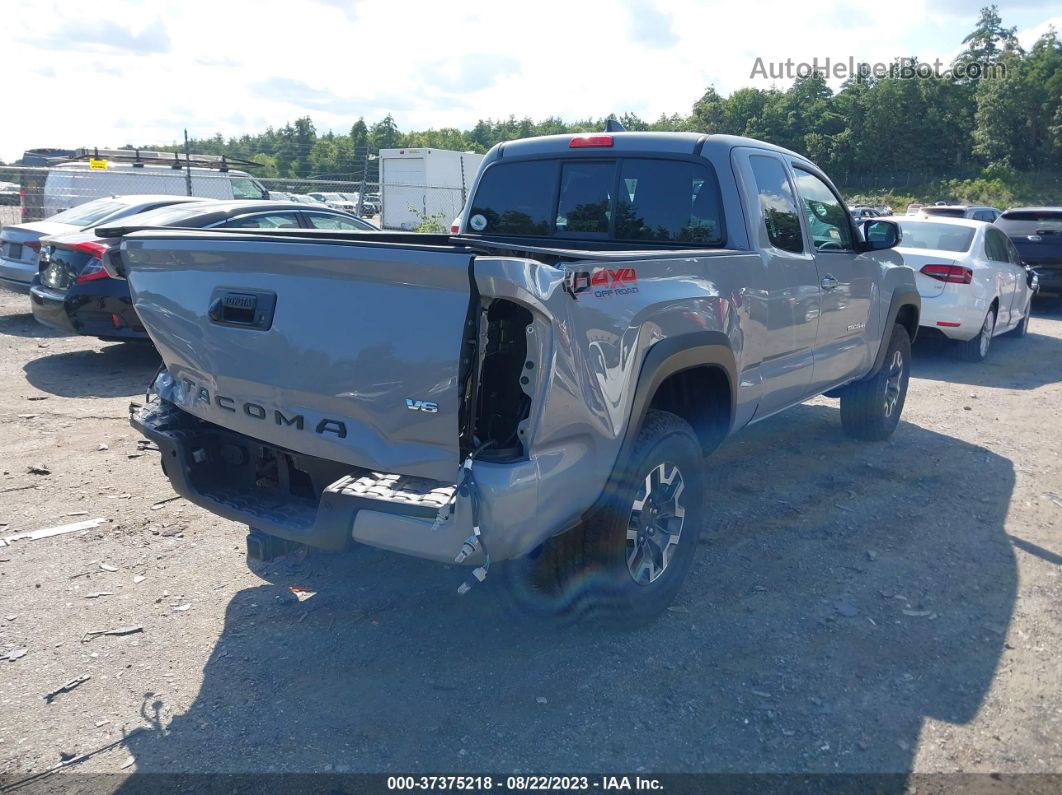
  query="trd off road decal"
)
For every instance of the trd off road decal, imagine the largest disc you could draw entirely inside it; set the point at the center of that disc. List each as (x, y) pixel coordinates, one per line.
(602, 282)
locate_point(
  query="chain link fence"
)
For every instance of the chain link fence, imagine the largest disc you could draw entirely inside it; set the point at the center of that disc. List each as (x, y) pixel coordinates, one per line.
(30, 194)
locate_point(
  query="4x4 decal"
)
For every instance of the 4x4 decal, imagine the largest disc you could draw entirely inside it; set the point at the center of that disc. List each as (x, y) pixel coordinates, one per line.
(602, 282)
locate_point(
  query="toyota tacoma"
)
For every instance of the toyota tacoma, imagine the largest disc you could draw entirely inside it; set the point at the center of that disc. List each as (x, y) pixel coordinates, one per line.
(541, 387)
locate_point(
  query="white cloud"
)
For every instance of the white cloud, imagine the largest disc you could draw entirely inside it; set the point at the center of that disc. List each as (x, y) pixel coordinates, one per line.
(159, 66)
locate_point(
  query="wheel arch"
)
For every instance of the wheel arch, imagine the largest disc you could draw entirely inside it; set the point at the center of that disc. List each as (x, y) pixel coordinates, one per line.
(905, 309)
(678, 364)
(693, 376)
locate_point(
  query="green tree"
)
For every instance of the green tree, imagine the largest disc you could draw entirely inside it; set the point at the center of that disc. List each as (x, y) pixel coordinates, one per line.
(385, 134)
(988, 40)
(709, 112)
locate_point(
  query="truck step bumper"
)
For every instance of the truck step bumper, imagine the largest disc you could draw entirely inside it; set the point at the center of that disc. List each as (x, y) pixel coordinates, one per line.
(305, 501)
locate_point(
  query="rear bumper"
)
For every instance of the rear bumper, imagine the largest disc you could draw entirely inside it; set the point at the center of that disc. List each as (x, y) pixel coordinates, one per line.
(329, 505)
(953, 307)
(1050, 279)
(16, 275)
(88, 310)
(49, 309)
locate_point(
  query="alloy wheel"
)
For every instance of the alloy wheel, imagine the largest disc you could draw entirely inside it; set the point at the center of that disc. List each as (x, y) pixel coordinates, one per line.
(986, 333)
(655, 523)
(893, 383)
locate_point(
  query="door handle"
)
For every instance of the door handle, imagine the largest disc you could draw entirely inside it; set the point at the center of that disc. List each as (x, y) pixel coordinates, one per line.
(828, 282)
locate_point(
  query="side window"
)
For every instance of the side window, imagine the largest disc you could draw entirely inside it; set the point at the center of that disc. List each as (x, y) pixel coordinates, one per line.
(777, 203)
(995, 246)
(1013, 255)
(585, 197)
(827, 220)
(327, 221)
(668, 200)
(984, 215)
(264, 221)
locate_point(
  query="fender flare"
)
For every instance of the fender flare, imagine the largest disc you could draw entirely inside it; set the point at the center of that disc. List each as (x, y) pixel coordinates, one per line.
(673, 355)
(665, 358)
(900, 298)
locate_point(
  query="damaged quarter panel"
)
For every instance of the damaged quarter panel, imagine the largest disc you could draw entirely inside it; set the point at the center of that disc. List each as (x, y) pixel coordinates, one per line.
(592, 343)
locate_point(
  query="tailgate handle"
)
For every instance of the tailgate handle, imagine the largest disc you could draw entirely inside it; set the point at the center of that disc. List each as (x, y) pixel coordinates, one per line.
(243, 308)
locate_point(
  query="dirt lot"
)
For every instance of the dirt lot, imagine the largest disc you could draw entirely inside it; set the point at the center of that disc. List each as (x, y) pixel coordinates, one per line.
(854, 607)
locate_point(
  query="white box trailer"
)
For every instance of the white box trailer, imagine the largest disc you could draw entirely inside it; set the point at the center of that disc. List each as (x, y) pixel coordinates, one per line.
(426, 181)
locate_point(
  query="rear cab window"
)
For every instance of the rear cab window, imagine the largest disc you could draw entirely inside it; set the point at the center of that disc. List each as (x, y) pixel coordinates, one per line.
(651, 201)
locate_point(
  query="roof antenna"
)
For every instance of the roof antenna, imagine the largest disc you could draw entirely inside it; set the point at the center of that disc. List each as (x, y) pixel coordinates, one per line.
(612, 124)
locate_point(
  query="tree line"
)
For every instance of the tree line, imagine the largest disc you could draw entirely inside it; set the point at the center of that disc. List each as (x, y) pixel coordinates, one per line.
(997, 138)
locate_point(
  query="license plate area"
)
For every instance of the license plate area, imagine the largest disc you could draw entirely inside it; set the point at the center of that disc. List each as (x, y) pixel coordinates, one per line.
(14, 251)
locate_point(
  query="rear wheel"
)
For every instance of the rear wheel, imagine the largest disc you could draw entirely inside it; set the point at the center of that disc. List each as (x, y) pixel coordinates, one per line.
(976, 350)
(627, 563)
(871, 408)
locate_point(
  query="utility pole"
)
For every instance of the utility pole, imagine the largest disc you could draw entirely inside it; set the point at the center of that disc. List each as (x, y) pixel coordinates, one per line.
(187, 166)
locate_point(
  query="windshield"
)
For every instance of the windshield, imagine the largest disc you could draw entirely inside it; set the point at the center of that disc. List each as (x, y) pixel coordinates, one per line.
(247, 188)
(947, 212)
(940, 237)
(90, 212)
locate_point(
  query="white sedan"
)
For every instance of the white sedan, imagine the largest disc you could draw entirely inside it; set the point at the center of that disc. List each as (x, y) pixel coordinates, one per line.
(971, 279)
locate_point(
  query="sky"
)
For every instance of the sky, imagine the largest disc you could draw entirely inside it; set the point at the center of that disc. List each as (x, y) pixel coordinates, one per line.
(113, 72)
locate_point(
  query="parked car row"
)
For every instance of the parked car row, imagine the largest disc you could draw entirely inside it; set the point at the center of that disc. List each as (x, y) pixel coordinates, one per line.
(21, 243)
(60, 262)
(976, 279)
(979, 267)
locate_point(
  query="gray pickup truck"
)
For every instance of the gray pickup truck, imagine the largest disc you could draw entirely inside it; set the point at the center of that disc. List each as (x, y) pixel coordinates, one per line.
(540, 388)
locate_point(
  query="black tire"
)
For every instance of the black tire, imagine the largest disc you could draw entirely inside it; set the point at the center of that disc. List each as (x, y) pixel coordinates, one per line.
(586, 572)
(1022, 329)
(976, 349)
(871, 408)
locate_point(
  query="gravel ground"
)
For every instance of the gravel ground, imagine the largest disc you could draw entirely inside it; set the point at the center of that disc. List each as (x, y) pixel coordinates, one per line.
(886, 607)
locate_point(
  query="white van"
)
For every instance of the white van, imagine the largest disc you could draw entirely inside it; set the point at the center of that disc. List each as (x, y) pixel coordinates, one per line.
(127, 172)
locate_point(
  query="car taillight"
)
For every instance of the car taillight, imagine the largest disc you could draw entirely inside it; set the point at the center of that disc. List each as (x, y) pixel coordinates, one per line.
(94, 269)
(34, 245)
(91, 272)
(582, 141)
(955, 274)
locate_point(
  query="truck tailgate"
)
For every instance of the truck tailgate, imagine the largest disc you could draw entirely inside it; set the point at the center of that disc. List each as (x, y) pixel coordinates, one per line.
(337, 350)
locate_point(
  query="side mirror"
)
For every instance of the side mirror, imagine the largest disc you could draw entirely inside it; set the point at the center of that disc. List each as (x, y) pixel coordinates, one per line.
(880, 234)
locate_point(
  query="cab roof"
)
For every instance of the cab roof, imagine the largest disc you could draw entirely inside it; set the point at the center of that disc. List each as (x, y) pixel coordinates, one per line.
(687, 143)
